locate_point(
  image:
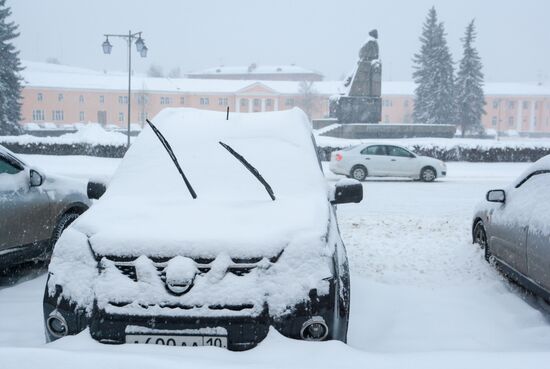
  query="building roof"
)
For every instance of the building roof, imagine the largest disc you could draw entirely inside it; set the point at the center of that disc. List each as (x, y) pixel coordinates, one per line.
(45, 75)
(255, 69)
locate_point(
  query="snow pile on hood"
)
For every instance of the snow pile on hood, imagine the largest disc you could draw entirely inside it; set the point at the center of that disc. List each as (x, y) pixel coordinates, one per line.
(148, 210)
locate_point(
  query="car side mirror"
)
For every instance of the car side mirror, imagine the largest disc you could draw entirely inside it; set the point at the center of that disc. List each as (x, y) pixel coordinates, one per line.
(496, 196)
(36, 179)
(96, 190)
(347, 191)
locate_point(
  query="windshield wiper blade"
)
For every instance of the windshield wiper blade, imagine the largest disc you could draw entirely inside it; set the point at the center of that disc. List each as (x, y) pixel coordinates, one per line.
(172, 156)
(251, 169)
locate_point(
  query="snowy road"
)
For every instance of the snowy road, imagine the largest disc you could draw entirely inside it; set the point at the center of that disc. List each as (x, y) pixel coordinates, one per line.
(422, 295)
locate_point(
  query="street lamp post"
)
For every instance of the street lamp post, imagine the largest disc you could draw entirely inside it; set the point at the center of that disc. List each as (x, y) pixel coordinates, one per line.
(141, 49)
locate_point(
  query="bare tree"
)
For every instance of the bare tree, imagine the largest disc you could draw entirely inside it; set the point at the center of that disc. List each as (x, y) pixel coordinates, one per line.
(175, 73)
(155, 71)
(307, 101)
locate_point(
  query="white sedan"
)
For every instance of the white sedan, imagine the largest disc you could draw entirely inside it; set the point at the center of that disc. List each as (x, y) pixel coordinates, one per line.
(380, 160)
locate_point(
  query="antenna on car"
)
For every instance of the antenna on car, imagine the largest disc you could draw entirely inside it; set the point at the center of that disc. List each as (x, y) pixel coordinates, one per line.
(166, 145)
(252, 170)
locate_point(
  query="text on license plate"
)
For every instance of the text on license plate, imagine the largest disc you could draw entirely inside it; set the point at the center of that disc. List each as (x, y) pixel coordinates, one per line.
(218, 341)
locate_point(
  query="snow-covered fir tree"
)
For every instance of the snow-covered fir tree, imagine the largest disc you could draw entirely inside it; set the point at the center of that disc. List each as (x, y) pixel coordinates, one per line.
(434, 75)
(10, 79)
(469, 86)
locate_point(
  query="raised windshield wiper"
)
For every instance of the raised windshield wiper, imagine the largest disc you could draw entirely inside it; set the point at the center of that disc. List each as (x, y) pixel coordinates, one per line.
(252, 170)
(172, 156)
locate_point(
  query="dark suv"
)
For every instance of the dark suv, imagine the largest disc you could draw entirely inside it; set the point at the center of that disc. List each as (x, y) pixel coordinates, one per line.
(34, 210)
(246, 241)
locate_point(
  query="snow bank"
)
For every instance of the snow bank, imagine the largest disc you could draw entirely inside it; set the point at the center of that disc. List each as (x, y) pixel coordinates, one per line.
(91, 133)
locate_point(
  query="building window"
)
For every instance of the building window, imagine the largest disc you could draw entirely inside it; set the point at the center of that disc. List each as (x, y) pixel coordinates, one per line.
(534, 121)
(121, 117)
(204, 101)
(386, 118)
(495, 104)
(37, 115)
(39, 96)
(182, 100)
(536, 104)
(510, 104)
(268, 102)
(142, 100)
(257, 102)
(57, 115)
(222, 101)
(387, 103)
(494, 121)
(289, 101)
(164, 100)
(123, 99)
(511, 121)
(81, 116)
(244, 102)
(406, 103)
(81, 99)
(525, 104)
(60, 97)
(101, 99)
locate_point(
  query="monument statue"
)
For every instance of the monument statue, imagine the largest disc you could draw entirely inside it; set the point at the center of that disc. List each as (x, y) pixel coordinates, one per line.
(362, 103)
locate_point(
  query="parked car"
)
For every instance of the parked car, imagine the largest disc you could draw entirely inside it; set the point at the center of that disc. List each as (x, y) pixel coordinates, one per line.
(210, 244)
(513, 226)
(34, 209)
(382, 160)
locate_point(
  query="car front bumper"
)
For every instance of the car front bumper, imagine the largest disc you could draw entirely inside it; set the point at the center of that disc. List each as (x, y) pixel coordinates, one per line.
(243, 331)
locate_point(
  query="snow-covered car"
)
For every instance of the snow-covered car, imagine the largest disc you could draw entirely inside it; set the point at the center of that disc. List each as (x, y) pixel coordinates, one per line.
(383, 160)
(243, 243)
(513, 226)
(34, 209)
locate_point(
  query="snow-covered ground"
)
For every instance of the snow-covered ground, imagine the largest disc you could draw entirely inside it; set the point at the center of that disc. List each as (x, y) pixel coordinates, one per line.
(422, 294)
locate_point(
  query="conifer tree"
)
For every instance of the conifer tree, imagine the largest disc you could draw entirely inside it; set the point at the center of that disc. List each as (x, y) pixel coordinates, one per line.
(434, 75)
(469, 86)
(10, 79)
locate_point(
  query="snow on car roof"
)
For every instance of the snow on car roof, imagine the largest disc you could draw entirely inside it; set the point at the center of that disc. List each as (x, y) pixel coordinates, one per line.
(147, 208)
(541, 164)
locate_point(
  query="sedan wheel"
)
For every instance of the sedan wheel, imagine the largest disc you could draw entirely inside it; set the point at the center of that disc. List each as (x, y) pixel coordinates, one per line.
(359, 173)
(427, 175)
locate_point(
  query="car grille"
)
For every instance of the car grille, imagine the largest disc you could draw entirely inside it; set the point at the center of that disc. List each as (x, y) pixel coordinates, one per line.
(239, 266)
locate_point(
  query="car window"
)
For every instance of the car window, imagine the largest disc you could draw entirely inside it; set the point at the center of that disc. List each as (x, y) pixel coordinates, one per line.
(374, 150)
(530, 176)
(8, 168)
(398, 151)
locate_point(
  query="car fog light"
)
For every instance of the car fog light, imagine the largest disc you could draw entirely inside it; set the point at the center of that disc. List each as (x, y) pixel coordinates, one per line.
(57, 325)
(315, 329)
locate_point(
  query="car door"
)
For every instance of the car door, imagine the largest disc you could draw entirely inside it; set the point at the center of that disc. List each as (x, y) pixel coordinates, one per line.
(510, 224)
(538, 233)
(374, 158)
(24, 210)
(401, 163)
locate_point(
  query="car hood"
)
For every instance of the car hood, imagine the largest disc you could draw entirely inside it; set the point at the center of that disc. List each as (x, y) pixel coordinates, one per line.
(202, 228)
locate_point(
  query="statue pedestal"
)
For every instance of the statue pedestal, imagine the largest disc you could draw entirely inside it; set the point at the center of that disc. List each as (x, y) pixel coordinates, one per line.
(356, 109)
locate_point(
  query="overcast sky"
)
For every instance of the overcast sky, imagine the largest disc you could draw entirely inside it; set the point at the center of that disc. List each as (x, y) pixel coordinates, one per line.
(513, 36)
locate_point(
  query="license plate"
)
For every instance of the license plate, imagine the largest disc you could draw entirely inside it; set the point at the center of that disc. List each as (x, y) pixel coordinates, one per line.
(168, 340)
